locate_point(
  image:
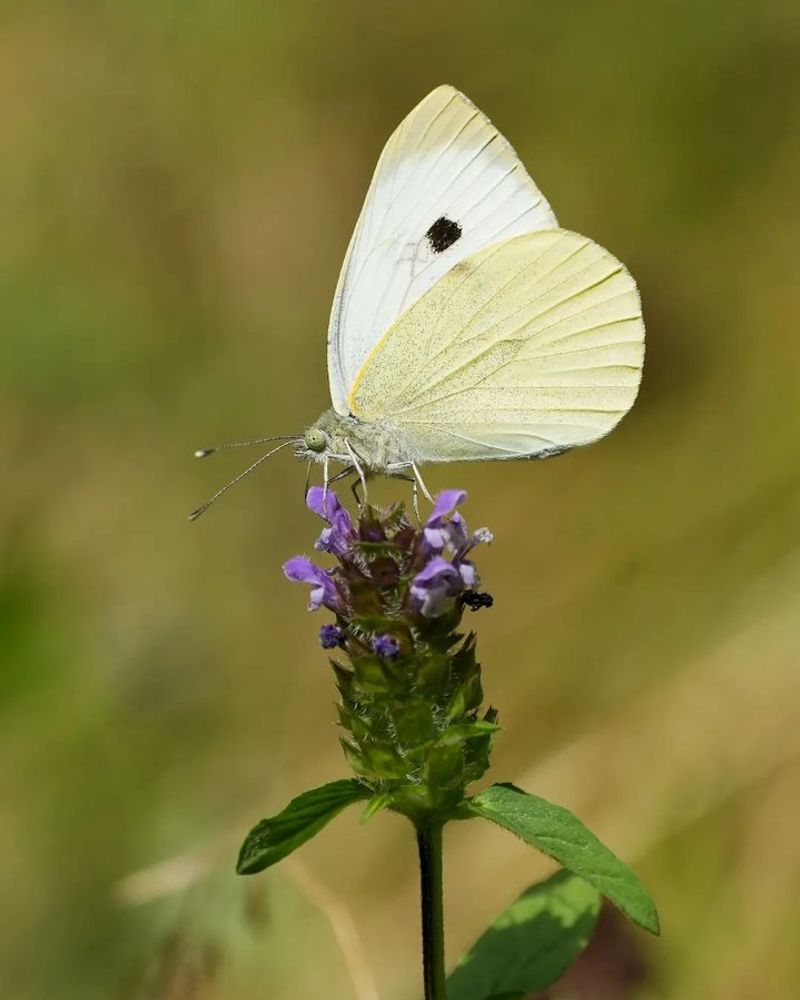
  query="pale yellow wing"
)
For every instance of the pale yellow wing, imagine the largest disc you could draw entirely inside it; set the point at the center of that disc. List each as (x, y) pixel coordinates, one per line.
(524, 349)
(447, 184)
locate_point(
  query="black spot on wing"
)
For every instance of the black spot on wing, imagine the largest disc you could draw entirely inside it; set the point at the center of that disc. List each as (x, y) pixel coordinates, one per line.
(443, 234)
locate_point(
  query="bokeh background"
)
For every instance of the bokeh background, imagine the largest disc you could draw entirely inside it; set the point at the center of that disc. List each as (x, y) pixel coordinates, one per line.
(178, 185)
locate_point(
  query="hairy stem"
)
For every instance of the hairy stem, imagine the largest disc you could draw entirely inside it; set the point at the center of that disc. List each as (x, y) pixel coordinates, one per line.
(429, 843)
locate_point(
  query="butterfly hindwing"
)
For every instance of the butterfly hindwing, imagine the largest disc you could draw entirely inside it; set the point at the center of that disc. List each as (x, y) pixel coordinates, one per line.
(446, 186)
(527, 348)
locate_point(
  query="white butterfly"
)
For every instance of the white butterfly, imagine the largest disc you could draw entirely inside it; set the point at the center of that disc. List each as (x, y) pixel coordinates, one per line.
(466, 325)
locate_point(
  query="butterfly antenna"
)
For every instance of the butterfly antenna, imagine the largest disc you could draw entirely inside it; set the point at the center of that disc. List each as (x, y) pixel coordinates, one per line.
(201, 510)
(205, 452)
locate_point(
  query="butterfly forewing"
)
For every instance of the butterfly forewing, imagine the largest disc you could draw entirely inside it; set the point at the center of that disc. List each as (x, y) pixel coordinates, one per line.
(446, 186)
(525, 348)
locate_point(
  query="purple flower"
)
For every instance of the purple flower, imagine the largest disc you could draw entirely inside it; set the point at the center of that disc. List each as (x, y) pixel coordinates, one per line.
(338, 536)
(434, 586)
(443, 541)
(331, 636)
(386, 645)
(446, 503)
(324, 590)
(446, 526)
(449, 533)
(444, 530)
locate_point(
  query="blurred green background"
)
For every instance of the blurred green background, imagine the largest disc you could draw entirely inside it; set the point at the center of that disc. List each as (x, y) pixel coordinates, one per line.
(178, 185)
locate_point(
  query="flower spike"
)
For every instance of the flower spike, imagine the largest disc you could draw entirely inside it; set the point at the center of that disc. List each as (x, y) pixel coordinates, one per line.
(409, 682)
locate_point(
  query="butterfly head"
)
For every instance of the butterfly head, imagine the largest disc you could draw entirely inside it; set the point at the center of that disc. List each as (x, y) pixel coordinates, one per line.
(326, 438)
(320, 439)
(315, 440)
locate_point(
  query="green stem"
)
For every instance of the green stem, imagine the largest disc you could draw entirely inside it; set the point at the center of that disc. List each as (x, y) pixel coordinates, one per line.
(429, 843)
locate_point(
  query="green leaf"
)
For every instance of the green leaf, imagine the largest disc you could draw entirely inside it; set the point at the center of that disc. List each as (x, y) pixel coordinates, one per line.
(531, 944)
(560, 835)
(274, 838)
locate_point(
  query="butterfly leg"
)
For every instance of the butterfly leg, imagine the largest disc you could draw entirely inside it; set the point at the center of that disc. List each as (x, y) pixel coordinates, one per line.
(421, 482)
(398, 472)
(354, 487)
(343, 474)
(414, 496)
(359, 470)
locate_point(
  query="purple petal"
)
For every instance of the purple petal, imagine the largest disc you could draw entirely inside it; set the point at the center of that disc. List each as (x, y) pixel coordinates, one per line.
(325, 504)
(341, 521)
(314, 500)
(433, 588)
(431, 602)
(468, 575)
(435, 539)
(457, 531)
(446, 503)
(386, 645)
(325, 541)
(335, 538)
(333, 541)
(331, 636)
(302, 570)
(316, 598)
(436, 570)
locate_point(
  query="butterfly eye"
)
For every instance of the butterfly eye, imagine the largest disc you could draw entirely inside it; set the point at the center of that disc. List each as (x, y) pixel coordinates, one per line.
(315, 439)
